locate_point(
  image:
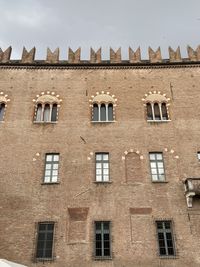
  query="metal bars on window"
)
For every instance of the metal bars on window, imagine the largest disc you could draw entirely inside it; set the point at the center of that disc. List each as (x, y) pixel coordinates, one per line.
(165, 238)
(102, 240)
(45, 234)
(51, 168)
(102, 167)
(157, 166)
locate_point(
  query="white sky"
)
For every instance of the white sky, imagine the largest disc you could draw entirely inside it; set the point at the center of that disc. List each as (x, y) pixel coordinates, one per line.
(105, 23)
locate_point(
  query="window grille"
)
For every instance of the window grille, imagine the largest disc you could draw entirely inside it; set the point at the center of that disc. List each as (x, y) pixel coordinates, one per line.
(102, 240)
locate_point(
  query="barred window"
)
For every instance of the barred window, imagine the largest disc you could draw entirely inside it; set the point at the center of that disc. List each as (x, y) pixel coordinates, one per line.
(165, 238)
(51, 168)
(102, 240)
(102, 167)
(45, 234)
(157, 166)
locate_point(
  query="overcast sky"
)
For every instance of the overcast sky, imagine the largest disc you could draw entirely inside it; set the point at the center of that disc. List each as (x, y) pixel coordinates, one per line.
(105, 23)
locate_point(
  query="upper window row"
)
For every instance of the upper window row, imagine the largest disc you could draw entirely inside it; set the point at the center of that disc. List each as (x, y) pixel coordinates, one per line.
(102, 107)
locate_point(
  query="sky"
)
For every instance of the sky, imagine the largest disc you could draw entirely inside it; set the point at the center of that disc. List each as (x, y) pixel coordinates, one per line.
(102, 23)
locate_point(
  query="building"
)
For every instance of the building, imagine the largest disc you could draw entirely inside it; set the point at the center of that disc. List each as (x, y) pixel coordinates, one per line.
(100, 160)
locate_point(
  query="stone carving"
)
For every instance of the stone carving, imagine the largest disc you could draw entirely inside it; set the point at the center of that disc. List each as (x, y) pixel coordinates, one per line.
(192, 188)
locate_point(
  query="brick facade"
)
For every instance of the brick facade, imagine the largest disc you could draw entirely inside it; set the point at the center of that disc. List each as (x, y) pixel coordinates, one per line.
(130, 201)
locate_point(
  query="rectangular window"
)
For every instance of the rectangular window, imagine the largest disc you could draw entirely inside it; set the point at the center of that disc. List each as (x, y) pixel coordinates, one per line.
(165, 238)
(51, 168)
(198, 155)
(102, 240)
(157, 166)
(45, 241)
(102, 167)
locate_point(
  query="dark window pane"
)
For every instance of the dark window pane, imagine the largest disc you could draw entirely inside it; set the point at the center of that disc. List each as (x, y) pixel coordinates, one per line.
(54, 113)
(45, 240)
(157, 112)
(39, 253)
(103, 112)
(162, 251)
(95, 112)
(149, 112)
(50, 226)
(102, 242)
(98, 252)
(48, 253)
(39, 113)
(110, 112)
(107, 252)
(164, 111)
(46, 112)
(171, 251)
(159, 225)
(167, 225)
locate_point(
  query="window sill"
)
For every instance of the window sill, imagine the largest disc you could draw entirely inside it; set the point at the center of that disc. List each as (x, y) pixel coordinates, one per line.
(102, 182)
(159, 121)
(45, 122)
(102, 258)
(50, 183)
(45, 259)
(160, 182)
(168, 257)
(102, 121)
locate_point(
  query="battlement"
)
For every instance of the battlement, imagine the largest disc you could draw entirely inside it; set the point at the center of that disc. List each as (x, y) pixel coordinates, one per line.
(74, 57)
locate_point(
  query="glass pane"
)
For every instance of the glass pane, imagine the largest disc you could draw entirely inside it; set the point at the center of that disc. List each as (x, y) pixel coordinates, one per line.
(159, 225)
(54, 113)
(47, 173)
(98, 226)
(107, 252)
(46, 112)
(152, 156)
(167, 224)
(55, 166)
(105, 165)
(149, 112)
(159, 156)
(95, 112)
(50, 226)
(154, 171)
(39, 113)
(153, 165)
(106, 171)
(157, 112)
(98, 171)
(48, 253)
(162, 251)
(98, 178)
(106, 178)
(110, 112)
(98, 156)
(105, 156)
(54, 178)
(49, 157)
(56, 158)
(154, 177)
(161, 177)
(98, 165)
(47, 179)
(103, 112)
(161, 171)
(164, 111)
(170, 251)
(55, 173)
(2, 108)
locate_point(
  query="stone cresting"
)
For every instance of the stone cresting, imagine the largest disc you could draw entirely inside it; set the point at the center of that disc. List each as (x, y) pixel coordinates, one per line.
(155, 57)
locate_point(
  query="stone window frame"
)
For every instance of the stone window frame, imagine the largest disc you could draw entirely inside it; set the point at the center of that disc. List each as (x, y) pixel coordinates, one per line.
(153, 98)
(102, 258)
(174, 240)
(3, 100)
(157, 168)
(44, 99)
(103, 98)
(51, 169)
(38, 259)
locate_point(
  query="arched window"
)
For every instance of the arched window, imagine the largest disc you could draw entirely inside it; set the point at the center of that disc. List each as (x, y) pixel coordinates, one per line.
(156, 107)
(103, 108)
(46, 109)
(2, 110)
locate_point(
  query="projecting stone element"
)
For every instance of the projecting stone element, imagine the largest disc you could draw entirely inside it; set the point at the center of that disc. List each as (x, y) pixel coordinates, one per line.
(134, 57)
(95, 57)
(174, 56)
(155, 57)
(194, 55)
(74, 57)
(52, 57)
(192, 188)
(115, 57)
(28, 57)
(5, 56)
(78, 214)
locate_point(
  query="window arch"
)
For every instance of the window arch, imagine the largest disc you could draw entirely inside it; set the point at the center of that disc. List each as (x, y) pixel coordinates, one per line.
(46, 107)
(156, 106)
(103, 107)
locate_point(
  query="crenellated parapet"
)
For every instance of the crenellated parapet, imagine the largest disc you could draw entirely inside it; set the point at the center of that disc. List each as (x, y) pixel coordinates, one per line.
(74, 57)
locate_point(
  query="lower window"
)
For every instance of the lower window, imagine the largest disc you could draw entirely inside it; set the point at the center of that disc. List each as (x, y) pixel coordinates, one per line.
(165, 238)
(44, 248)
(102, 240)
